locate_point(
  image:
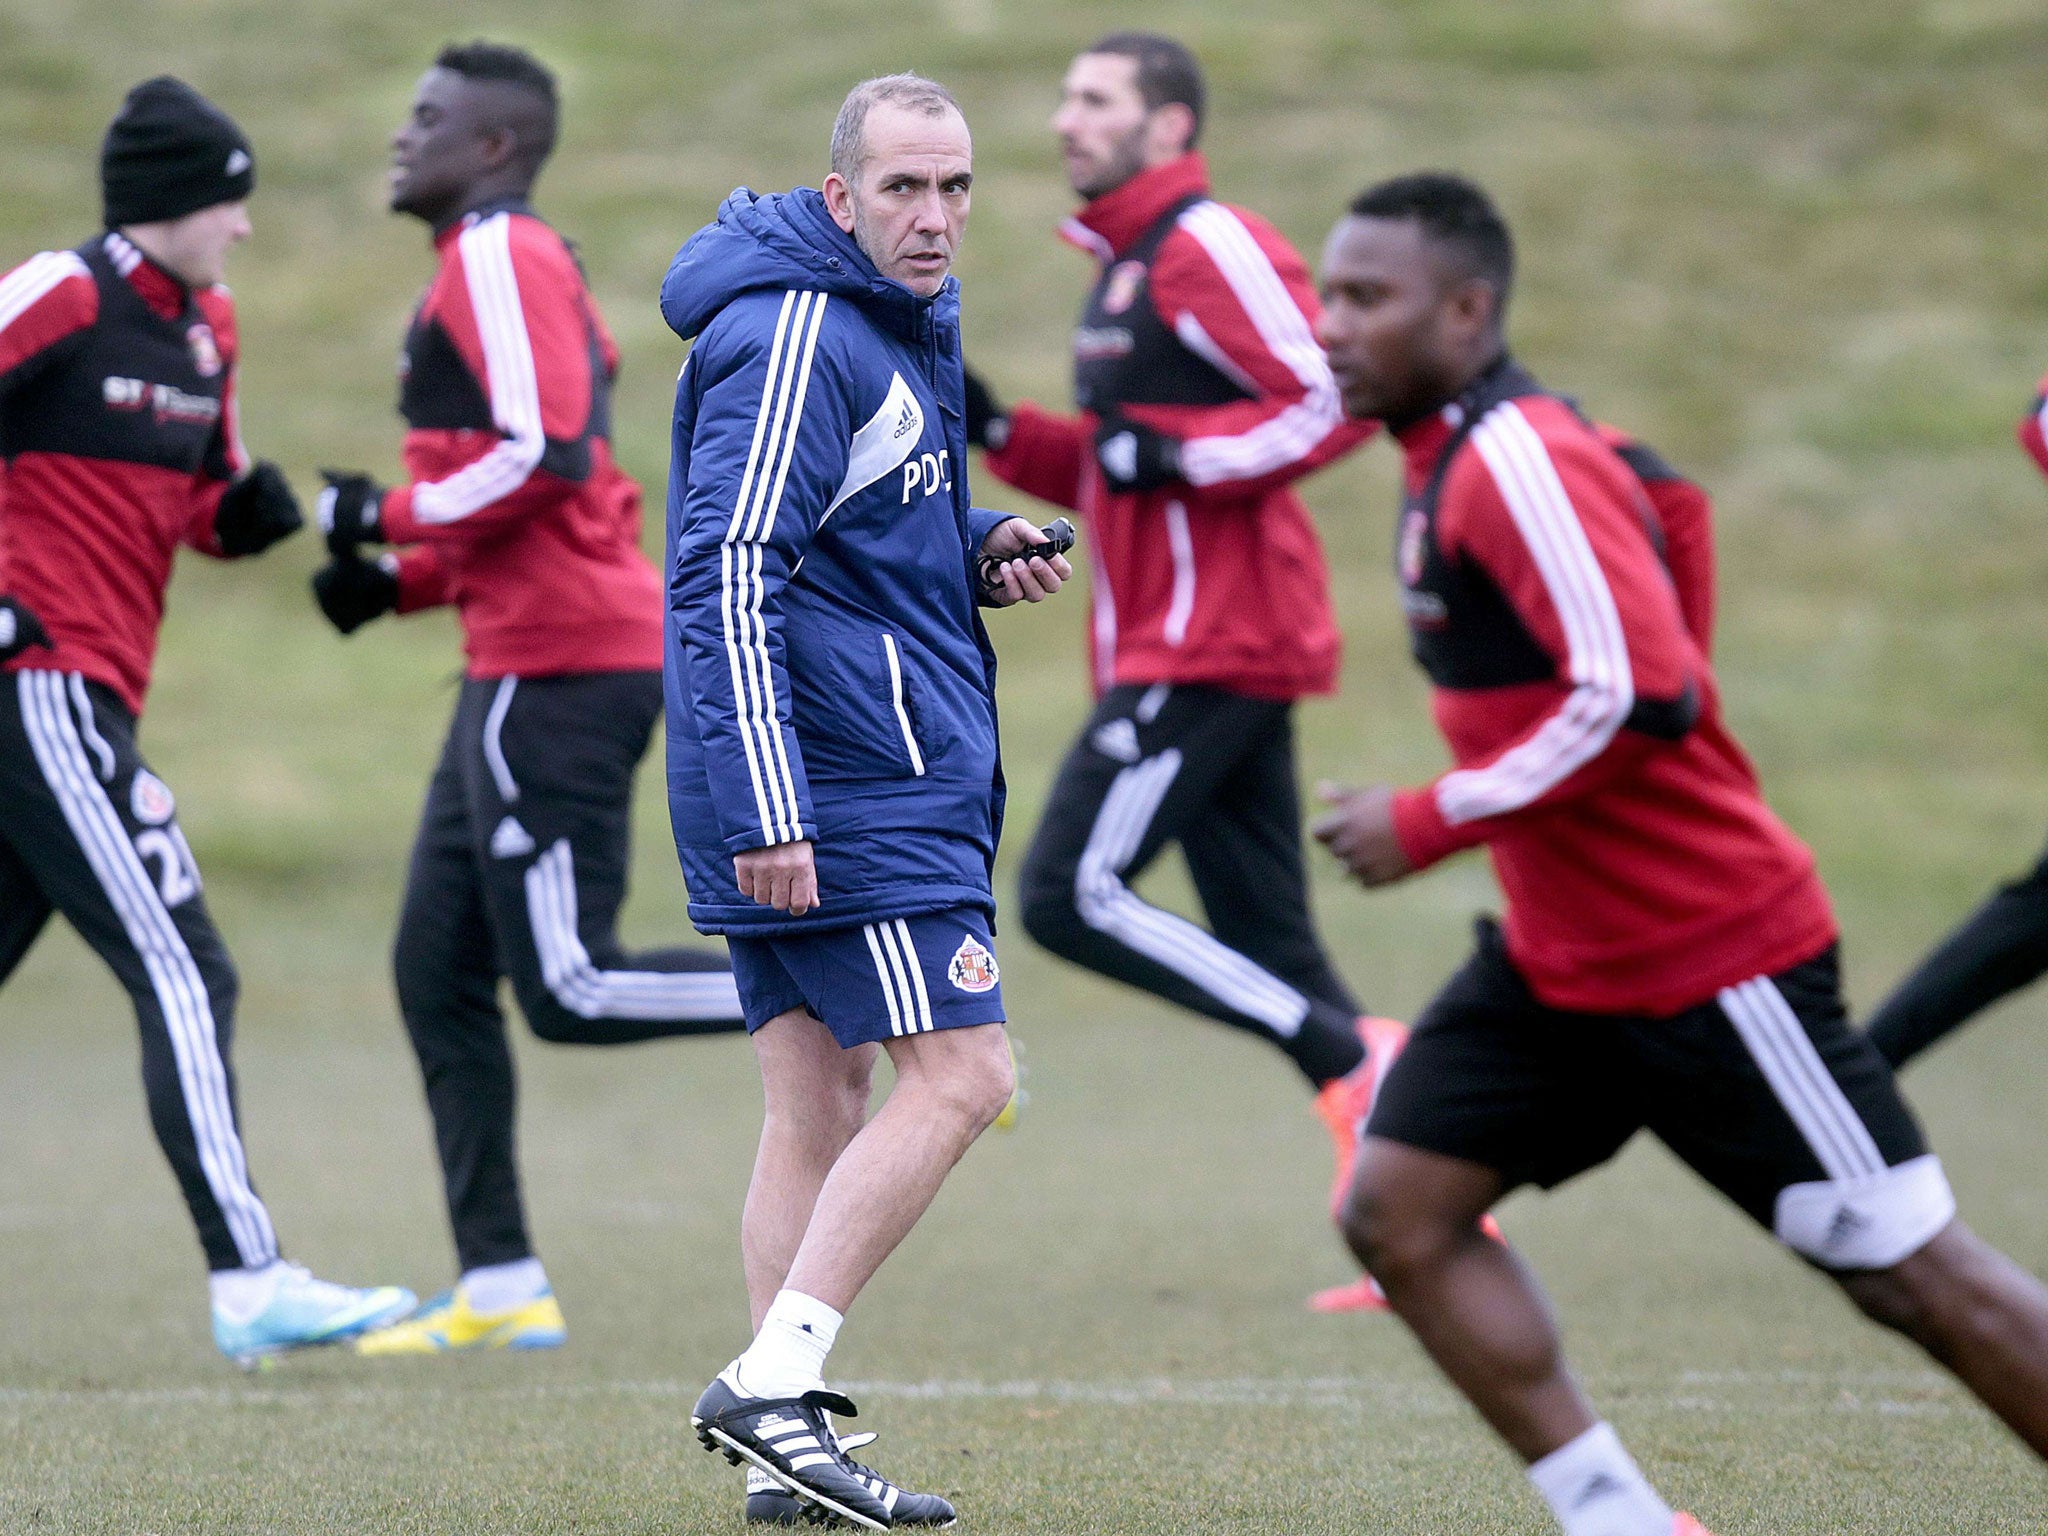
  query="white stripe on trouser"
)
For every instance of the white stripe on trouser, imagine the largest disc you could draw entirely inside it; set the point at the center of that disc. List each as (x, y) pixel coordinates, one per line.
(174, 974)
(494, 740)
(902, 977)
(93, 738)
(1786, 1055)
(589, 993)
(1107, 905)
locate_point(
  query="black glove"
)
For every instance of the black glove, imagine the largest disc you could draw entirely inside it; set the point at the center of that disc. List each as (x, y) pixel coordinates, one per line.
(256, 511)
(987, 424)
(350, 511)
(352, 591)
(1134, 457)
(19, 629)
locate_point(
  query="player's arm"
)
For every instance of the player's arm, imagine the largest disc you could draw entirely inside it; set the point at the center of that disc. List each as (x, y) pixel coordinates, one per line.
(1683, 516)
(515, 313)
(2033, 429)
(239, 507)
(1237, 295)
(44, 302)
(1559, 533)
(1037, 451)
(747, 489)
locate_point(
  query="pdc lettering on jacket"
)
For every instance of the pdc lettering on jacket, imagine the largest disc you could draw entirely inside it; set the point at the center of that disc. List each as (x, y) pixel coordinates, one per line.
(166, 401)
(926, 473)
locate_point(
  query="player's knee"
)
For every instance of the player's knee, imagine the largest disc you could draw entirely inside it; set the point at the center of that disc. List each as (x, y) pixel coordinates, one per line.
(1886, 1298)
(1945, 1289)
(1381, 1236)
(977, 1081)
(549, 1018)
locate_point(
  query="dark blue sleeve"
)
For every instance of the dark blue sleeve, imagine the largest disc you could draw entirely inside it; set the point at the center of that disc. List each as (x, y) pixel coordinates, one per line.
(760, 446)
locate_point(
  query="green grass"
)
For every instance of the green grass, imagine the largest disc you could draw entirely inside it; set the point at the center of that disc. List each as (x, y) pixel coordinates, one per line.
(1794, 244)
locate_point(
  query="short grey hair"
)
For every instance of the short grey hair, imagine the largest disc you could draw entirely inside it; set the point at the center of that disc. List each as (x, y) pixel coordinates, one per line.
(911, 92)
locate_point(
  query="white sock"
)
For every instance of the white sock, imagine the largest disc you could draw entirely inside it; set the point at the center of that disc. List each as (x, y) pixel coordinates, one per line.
(1595, 1488)
(787, 1357)
(502, 1287)
(239, 1294)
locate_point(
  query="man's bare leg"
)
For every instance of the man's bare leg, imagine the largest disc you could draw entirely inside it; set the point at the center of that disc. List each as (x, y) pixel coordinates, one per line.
(1413, 1220)
(1977, 1313)
(816, 1100)
(950, 1086)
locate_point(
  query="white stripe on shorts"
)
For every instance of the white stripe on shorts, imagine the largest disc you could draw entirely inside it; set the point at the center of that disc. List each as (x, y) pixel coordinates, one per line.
(1786, 1055)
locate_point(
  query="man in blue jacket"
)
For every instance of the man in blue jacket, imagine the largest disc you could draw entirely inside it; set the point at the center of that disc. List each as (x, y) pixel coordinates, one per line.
(833, 772)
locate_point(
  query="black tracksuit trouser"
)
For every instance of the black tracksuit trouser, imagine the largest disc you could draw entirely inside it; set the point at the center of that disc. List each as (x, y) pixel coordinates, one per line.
(1999, 948)
(1213, 771)
(518, 872)
(88, 831)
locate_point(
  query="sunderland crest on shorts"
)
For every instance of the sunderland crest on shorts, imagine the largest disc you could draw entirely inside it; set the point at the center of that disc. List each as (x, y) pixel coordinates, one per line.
(974, 966)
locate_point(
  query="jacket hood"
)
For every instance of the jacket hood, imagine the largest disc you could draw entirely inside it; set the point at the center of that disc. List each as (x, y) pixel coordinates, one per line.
(787, 240)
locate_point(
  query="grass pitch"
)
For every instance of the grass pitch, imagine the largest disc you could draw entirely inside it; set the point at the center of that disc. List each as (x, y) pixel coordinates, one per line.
(1792, 244)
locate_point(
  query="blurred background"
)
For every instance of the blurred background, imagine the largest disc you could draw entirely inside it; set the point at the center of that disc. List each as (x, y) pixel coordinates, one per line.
(1798, 245)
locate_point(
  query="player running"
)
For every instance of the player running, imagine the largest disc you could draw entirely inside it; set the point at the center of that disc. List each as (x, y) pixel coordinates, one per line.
(833, 772)
(1999, 948)
(1202, 397)
(117, 424)
(1668, 953)
(514, 512)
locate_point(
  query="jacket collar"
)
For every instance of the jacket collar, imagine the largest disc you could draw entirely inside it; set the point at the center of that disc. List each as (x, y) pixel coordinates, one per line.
(1423, 438)
(450, 232)
(1113, 222)
(161, 289)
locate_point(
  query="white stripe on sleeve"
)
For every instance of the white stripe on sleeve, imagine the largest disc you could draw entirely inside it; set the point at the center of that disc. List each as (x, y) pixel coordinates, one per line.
(1295, 432)
(509, 380)
(1603, 691)
(776, 424)
(35, 277)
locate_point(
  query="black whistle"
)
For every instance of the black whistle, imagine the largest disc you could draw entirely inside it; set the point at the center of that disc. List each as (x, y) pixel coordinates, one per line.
(1059, 538)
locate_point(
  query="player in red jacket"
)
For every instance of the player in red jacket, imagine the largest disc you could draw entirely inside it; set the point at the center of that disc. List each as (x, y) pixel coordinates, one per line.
(117, 425)
(1203, 397)
(1668, 954)
(514, 511)
(1999, 948)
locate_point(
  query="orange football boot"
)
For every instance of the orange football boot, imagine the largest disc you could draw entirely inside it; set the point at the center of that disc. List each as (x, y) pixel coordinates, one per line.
(1345, 1101)
(1683, 1524)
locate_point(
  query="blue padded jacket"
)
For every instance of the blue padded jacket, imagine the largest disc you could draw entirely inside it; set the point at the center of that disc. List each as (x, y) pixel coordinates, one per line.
(827, 672)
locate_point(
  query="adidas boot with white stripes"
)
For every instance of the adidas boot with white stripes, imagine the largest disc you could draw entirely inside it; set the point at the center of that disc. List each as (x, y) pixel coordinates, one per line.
(769, 1503)
(791, 1440)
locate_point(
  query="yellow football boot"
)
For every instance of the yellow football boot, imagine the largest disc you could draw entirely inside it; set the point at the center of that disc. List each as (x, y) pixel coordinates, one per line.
(448, 1323)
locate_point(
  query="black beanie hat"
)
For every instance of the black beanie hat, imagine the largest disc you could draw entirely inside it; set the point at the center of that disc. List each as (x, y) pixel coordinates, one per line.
(169, 152)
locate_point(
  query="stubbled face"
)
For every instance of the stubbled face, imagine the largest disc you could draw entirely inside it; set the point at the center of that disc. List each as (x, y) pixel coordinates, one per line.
(1104, 128)
(1400, 331)
(196, 246)
(443, 149)
(907, 204)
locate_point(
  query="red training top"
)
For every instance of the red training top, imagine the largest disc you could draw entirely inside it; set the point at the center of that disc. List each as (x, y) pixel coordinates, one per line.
(1200, 327)
(118, 432)
(1642, 870)
(516, 512)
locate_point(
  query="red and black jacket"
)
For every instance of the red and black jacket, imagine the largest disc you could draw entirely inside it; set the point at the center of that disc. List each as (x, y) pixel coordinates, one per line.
(514, 509)
(1200, 326)
(118, 432)
(1641, 868)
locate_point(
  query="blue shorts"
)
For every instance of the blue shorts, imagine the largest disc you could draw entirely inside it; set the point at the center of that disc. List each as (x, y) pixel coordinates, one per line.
(900, 976)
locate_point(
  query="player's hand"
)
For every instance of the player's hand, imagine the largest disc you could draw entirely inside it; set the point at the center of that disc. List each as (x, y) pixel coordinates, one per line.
(1359, 829)
(783, 876)
(351, 511)
(1134, 457)
(1020, 581)
(352, 591)
(19, 629)
(256, 511)
(988, 424)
